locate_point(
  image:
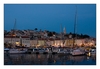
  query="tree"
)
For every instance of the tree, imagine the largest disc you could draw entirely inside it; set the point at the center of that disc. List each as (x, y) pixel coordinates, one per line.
(35, 29)
(54, 33)
(50, 34)
(86, 36)
(81, 35)
(70, 33)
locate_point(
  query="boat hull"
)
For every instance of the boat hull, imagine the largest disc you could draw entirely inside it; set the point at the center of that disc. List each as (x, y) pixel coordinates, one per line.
(77, 52)
(17, 51)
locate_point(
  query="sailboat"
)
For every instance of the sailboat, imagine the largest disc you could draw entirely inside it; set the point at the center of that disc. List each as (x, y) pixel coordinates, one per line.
(76, 51)
(14, 49)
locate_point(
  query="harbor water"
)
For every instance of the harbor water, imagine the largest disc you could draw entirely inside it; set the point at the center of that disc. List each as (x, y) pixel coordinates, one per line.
(48, 59)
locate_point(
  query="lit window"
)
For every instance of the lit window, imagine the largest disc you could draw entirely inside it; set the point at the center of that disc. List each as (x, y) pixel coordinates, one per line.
(18, 43)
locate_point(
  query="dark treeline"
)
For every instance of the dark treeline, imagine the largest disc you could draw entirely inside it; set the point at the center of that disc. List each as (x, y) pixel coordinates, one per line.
(53, 33)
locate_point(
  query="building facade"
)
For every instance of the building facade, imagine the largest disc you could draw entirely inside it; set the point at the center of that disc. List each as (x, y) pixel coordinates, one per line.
(17, 41)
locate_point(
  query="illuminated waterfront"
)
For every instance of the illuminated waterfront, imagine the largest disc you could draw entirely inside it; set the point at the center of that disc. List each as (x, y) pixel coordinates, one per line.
(48, 59)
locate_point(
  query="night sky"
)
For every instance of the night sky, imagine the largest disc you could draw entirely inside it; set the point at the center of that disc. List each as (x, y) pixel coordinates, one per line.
(51, 17)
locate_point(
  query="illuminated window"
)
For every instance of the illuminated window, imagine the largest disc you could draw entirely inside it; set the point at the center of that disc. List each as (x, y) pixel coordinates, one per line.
(17, 43)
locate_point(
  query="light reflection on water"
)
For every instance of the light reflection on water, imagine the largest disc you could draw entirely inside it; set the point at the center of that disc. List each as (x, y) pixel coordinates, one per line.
(48, 59)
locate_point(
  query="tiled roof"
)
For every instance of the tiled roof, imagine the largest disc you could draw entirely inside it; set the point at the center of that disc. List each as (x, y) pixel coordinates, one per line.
(16, 36)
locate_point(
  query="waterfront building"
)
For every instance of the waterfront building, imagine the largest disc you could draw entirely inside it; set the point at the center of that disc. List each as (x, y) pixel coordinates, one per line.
(17, 40)
(69, 42)
(25, 41)
(85, 42)
(58, 43)
(41, 43)
(31, 38)
(33, 43)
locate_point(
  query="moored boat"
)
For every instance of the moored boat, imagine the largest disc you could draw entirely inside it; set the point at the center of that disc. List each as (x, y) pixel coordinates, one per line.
(77, 52)
(17, 51)
(61, 51)
(6, 50)
(93, 51)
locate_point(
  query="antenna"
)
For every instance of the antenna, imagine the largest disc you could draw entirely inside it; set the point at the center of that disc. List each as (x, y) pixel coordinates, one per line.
(14, 25)
(61, 33)
(76, 21)
(75, 36)
(14, 29)
(13, 32)
(61, 28)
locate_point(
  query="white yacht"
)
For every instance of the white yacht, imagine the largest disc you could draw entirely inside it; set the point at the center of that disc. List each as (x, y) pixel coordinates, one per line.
(77, 52)
(17, 51)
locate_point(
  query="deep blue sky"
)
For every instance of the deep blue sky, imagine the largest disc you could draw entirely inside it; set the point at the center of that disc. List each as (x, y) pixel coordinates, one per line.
(51, 17)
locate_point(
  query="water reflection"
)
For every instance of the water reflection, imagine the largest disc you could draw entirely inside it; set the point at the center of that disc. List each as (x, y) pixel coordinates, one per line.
(48, 59)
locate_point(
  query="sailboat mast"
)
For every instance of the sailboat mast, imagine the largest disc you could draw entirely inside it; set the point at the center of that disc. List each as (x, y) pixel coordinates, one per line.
(61, 34)
(75, 35)
(14, 27)
(13, 32)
